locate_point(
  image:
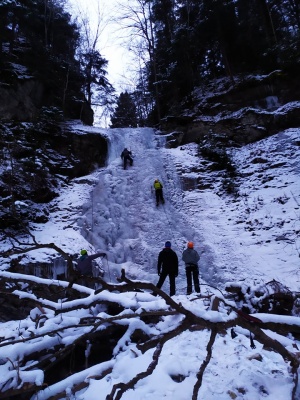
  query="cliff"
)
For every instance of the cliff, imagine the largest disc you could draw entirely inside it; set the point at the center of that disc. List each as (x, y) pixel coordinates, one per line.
(38, 159)
(241, 111)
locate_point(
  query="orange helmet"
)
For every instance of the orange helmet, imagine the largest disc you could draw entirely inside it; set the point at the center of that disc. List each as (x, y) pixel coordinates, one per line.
(190, 245)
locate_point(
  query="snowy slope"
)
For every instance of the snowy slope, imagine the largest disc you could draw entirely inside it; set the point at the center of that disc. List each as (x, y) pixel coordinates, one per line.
(256, 233)
(252, 237)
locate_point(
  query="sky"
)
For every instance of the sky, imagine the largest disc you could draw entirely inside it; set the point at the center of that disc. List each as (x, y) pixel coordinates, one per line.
(250, 240)
(111, 46)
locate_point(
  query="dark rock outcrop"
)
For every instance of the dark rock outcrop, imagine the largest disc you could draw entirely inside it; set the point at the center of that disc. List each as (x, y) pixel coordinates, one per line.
(38, 160)
(243, 112)
(27, 99)
(21, 100)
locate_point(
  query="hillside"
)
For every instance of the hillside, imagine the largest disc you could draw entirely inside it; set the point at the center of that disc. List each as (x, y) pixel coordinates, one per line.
(242, 111)
(216, 105)
(244, 221)
(229, 163)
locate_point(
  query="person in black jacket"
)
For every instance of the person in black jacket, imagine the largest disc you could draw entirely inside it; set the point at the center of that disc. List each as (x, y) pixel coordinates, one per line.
(126, 155)
(167, 264)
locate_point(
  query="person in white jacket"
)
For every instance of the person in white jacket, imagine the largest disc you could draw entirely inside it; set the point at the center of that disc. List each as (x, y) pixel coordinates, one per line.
(191, 257)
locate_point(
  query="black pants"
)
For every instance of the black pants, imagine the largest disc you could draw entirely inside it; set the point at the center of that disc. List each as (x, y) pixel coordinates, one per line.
(162, 278)
(86, 280)
(159, 196)
(192, 272)
(127, 158)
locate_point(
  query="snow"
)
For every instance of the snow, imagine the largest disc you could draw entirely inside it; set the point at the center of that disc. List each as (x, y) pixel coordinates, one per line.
(248, 239)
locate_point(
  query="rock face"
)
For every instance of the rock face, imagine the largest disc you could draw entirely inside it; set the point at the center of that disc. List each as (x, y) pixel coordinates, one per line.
(37, 160)
(21, 101)
(26, 99)
(244, 111)
(77, 154)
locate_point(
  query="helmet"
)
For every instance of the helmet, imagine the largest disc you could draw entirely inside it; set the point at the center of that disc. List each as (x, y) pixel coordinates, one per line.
(156, 180)
(190, 245)
(83, 252)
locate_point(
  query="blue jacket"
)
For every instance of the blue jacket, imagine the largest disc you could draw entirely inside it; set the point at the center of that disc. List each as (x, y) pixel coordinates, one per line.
(85, 265)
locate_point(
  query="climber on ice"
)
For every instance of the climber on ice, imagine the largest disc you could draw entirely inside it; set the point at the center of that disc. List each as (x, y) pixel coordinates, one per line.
(158, 192)
(126, 155)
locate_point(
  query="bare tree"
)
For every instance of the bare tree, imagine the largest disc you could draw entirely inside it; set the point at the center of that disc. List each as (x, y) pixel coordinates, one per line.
(137, 24)
(97, 89)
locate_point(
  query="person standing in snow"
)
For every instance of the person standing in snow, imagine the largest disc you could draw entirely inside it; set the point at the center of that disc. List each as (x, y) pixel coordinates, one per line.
(158, 192)
(191, 257)
(167, 264)
(84, 263)
(126, 155)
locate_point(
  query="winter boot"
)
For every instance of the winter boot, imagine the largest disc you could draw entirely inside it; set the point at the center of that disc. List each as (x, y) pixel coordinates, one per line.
(188, 291)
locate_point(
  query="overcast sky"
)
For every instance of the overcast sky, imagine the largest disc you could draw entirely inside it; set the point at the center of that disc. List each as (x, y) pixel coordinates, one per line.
(110, 45)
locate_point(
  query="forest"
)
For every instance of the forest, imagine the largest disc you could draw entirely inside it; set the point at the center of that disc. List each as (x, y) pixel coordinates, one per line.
(179, 46)
(188, 43)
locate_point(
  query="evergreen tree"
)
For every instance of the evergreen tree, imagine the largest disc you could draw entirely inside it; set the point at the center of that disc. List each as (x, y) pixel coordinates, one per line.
(41, 36)
(93, 66)
(125, 114)
(197, 39)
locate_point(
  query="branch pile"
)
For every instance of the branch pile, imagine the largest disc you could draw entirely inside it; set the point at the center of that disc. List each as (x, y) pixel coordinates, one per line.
(69, 336)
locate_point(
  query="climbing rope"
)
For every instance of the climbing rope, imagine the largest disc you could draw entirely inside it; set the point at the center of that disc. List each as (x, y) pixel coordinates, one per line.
(108, 269)
(92, 227)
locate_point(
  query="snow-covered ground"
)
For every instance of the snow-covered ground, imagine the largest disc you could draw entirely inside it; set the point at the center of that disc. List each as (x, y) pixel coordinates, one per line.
(252, 237)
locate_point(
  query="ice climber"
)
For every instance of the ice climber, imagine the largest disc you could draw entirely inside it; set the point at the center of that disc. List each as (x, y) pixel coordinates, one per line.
(191, 257)
(167, 264)
(158, 192)
(126, 155)
(84, 263)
